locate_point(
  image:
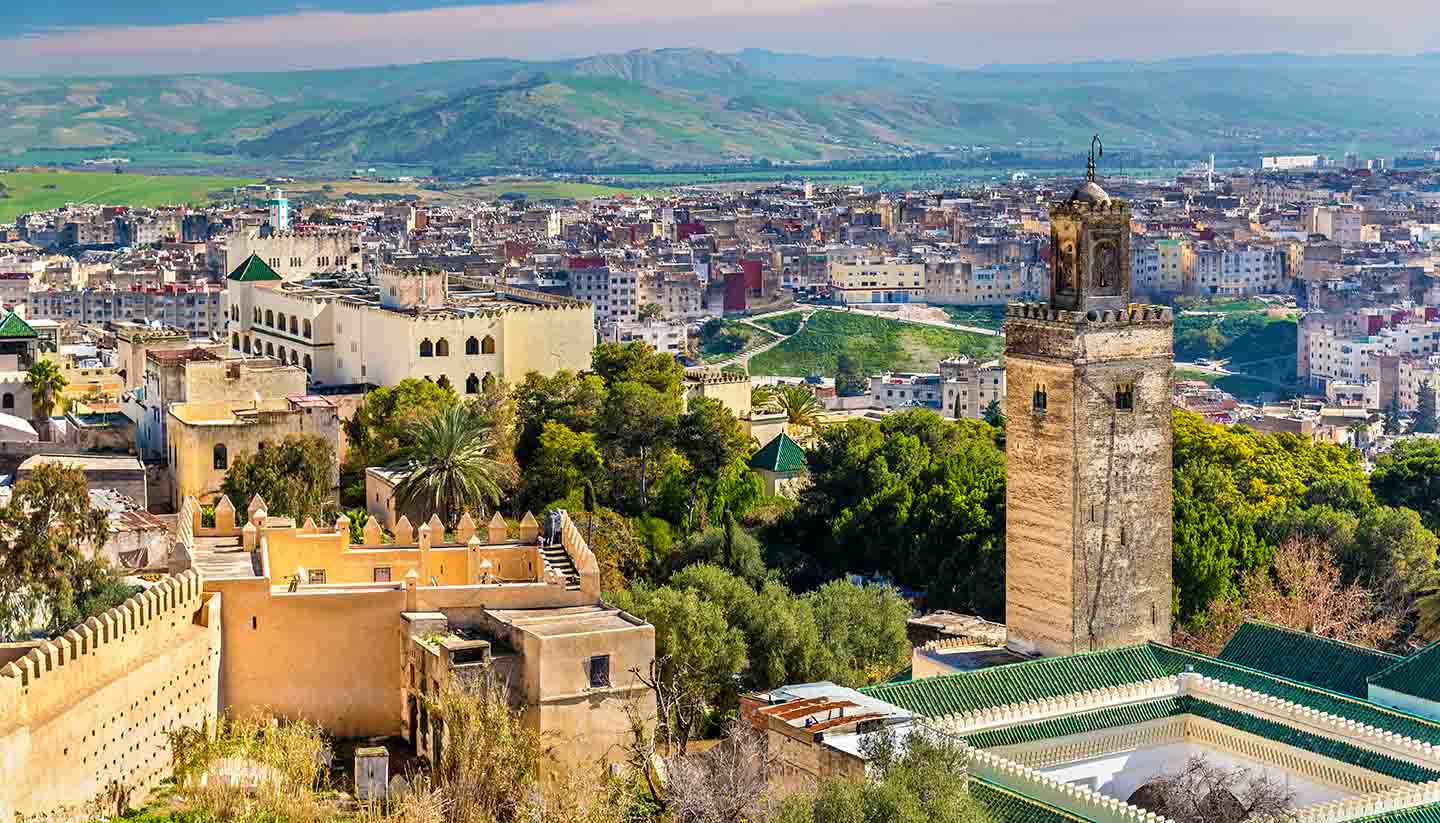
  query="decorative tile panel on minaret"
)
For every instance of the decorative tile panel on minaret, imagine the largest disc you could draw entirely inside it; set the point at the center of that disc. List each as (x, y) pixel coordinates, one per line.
(1088, 497)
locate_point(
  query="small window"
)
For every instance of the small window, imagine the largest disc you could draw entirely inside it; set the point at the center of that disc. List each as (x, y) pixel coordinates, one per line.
(472, 346)
(472, 384)
(8, 401)
(442, 348)
(1124, 537)
(316, 576)
(1125, 396)
(487, 346)
(427, 349)
(1041, 399)
(222, 457)
(309, 329)
(382, 574)
(600, 671)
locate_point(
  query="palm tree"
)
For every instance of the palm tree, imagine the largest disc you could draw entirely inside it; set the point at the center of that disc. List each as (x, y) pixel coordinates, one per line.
(762, 397)
(452, 466)
(46, 382)
(800, 406)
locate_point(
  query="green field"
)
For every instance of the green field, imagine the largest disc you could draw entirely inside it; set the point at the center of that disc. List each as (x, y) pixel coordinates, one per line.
(981, 317)
(27, 191)
(787, 323)
(732, 339)
(1243, 387)
(880, 345)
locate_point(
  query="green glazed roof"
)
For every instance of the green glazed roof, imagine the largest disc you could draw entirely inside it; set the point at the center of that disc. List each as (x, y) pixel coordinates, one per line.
(1022, 682)
(1007, 806)
(1419, 814)
(253, 270)
(15, 326)
(781, 455)
(1293, 655)
(1108, 718)
(1417, 675)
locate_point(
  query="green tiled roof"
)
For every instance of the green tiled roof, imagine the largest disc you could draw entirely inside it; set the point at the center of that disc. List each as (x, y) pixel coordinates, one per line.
(1293, 655)
(1007, 806)
(1324, 746)
(1022, 682)
(1108, 718)
(253, 270)
(1419, 814)
(781, 455)
(15, 326)
(1417, 675)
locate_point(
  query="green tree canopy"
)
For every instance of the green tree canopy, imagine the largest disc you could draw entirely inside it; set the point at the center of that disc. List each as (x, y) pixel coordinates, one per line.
(453, 464)
(710, 436)
(565, 461)
(294, 476)
(565, 397)
(637, 362)
(1409, 475)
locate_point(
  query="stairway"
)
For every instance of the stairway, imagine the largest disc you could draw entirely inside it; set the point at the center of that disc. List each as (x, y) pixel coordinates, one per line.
(555, 558)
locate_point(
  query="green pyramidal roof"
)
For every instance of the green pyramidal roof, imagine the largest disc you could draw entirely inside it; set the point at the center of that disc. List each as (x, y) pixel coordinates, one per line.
(1294, 655)
(253, 270)
(15, 326)
(781, 455)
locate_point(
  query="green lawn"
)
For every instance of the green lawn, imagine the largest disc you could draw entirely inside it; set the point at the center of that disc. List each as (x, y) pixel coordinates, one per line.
(735, 338)
(787, 323)
(880, 344)
(981, 317)
(27, 191)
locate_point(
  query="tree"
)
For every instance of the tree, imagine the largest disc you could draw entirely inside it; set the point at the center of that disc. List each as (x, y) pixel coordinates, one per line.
(46, 382)
(850, 379)
(453, 466)
(1302, 590)
(1393, 555)
(710, 437)
(762, 397)
(726, 546)
(638, 421)
(651, 311)
(800, 406)
(1425, 421)
(52, 574)
(379, 430)
(1392, 417)
(294, 476)
(565, 397)
(565, 461)
(729, 783)
(1409, 476)
(637, 362)
(1204, 793)
(865, 627)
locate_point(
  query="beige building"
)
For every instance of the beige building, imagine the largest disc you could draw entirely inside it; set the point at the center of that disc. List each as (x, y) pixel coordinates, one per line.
(296, 255)
(877, 281)
(970, 387)
(203, 438)
(411, 323)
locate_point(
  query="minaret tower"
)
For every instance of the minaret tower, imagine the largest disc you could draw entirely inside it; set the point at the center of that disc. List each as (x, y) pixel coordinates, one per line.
(1088, 433)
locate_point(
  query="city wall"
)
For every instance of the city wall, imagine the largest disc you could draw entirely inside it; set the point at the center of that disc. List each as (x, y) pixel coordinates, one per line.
(84, 716)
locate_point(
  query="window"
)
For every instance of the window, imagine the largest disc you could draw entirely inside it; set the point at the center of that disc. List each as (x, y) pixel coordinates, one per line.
(487, 346)
(382, 575)
(308, 328)
(280, 317)
(294, 326)
(222, 457)
(472, 384)
(472, 346)
(600, 671)
(427, 349)
(1041, 399)
(443, 382)
(269, 317)
(235, 342)
(282, 355)
(316, 576)
(8, 401)
(269, 349)
(308, 366)
(442, 348)
(245, 345)
(489, 382)
(1125, 397)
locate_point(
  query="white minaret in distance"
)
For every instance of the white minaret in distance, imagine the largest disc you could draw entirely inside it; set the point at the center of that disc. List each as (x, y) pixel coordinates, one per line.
(279, 211)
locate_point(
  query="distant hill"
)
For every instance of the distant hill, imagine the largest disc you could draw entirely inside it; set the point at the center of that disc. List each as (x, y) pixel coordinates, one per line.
(690, 106)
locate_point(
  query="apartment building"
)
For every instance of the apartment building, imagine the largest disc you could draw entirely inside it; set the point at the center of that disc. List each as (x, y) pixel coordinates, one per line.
(971, 386)
(1241, 271)
(196, 309)
(878, 281)
(951, 281)
(1342, 222)
(899, 390)
(679, 294)
(614, 294)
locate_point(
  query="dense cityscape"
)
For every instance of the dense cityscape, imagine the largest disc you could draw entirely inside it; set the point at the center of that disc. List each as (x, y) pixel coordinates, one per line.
(1062, 492)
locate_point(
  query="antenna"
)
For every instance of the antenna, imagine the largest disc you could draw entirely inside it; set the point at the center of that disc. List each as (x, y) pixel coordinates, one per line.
(1097, 151)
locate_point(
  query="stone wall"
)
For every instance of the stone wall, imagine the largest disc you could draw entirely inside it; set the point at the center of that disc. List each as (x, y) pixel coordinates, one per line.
(88, 712)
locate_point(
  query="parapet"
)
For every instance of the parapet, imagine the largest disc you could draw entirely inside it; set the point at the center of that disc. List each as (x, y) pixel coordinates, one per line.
(714, 377)
(1111, 206)
(1131, 314)
(64, 668)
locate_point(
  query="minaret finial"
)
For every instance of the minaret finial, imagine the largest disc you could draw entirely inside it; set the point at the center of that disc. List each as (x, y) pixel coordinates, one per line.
(1097, 151)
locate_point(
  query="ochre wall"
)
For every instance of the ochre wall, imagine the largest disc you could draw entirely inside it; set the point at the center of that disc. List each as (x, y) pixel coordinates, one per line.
(93, 706)
(332, 657)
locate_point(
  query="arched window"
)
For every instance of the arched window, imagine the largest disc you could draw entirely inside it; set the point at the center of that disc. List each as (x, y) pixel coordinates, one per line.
(472, 383)
(472, 346)
(257, 314)
(442, 348)
(8, 401)
(1041, 399)
(308, 365)
(245, 345)
(426, 348)
(294, 326)
(280, 317)
(489, 382)
(282, 355)
(487, 346)
(269, 349)
(308, 330)
(443, 382)
(222, 457)
(235, 342)
(269, 317)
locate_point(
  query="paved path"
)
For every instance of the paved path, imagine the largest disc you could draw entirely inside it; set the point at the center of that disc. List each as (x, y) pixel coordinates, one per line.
(743, 358)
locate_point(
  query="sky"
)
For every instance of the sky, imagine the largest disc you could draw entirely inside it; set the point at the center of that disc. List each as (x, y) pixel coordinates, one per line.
(40, 37)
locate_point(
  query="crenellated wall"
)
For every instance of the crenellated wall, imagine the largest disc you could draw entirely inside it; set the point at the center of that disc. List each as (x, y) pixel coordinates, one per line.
(90, 709)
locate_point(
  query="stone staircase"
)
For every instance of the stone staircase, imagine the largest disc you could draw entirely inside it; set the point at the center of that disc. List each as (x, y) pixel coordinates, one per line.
(555, 558)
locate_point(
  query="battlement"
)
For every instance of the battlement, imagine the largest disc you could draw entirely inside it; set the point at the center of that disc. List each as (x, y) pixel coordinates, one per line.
(715, 377)
(1132, 314)
(1078, 207)
(63, 668)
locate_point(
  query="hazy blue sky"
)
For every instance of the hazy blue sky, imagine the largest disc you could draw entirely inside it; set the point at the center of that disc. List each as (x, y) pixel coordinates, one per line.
(125, 36)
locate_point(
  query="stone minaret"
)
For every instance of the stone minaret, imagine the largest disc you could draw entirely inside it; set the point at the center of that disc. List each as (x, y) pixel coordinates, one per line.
(1088, 495)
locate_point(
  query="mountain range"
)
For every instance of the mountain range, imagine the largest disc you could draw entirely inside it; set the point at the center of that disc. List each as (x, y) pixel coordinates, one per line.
(689, 106)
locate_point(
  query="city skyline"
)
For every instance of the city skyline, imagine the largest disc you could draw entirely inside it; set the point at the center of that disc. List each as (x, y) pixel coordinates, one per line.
(143, 38)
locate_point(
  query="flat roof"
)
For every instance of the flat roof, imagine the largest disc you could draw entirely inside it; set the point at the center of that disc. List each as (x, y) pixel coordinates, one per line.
(88, 462)
(556, 622)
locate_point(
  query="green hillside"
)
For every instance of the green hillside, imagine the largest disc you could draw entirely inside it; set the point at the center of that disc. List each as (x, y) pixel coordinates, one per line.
(22, 192)
(878, 343)
(685, 106)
